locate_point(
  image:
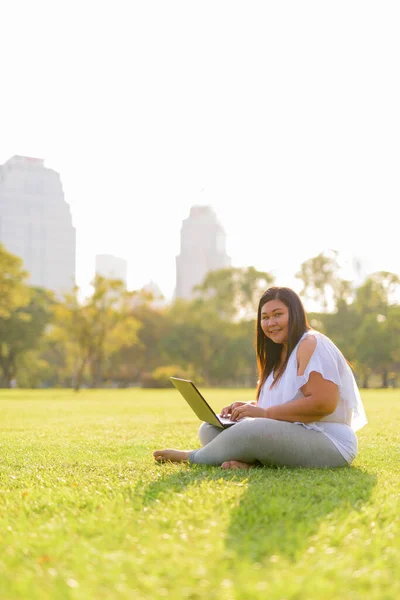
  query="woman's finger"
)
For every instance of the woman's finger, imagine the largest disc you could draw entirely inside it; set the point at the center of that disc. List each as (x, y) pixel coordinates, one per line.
(237, 413)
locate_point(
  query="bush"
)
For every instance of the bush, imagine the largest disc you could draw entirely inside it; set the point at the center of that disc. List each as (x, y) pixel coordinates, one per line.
(32, 370)
(159, 378)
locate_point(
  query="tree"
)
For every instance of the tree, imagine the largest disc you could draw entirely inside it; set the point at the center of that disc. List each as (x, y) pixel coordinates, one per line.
(14, 293)
(319, 276)
(33, 371)
(373, 346)
(219, 351)
(96, 329)
(343, 294)
(393, 326)
(235, 362)
(131, 362)
(194, 336)
(234, 292)
(377, 292)
(21, 331)
(58, 366)
(342, 326)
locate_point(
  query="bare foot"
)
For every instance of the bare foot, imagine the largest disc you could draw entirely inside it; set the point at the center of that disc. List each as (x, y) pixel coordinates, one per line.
(235, 464)
(171, 455)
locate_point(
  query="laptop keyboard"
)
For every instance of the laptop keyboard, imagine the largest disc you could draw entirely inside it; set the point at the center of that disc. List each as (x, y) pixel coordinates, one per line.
(226, 420)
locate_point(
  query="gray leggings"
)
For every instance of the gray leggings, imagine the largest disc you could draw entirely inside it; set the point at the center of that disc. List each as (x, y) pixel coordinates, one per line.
(266, 441)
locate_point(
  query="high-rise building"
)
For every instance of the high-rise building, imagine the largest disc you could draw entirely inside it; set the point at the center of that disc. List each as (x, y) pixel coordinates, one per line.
(36, 222)
(203, 249)
(111, 267)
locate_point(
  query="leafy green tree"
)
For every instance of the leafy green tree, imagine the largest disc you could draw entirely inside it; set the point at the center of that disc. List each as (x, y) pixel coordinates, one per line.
(234, 292)
(377, 292)
(33, 371)
(343, 294)
(194, 336)
(342, 326)
(373, 346)
(393, 326)
(375, 341)
(58, 366)
(320, 279)
(21, 331)
(215, 331)
(131, 363)
(14, 293)
(235, 364)
(220, 351)
(95, 329)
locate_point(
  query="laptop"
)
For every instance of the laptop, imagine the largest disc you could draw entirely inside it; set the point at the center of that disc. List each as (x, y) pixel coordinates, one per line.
(199, 405)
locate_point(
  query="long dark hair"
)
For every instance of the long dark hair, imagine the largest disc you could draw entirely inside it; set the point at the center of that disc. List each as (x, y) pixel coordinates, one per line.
(269, 353)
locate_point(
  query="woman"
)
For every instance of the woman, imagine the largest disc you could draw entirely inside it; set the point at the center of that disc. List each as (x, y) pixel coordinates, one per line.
(308, 405)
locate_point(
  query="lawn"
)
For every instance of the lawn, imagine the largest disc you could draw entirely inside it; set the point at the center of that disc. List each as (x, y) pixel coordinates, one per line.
(86, 513)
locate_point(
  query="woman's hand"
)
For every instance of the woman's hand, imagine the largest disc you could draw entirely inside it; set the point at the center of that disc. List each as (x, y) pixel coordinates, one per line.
(247, 410)
(227, 411)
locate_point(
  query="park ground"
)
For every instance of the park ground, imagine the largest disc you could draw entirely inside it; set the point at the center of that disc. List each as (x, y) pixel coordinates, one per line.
(86, 513)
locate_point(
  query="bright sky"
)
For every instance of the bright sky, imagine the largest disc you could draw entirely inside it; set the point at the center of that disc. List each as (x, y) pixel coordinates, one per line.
(285, 113)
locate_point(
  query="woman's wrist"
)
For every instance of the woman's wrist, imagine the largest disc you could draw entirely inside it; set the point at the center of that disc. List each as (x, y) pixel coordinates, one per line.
(266, 415)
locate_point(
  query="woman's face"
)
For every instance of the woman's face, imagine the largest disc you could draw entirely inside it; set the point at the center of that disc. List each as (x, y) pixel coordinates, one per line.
(275, 321)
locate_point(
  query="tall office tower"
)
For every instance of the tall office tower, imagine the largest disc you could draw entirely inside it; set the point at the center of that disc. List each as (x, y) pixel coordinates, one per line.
(203, 249)
(111, 267)
(36, 223)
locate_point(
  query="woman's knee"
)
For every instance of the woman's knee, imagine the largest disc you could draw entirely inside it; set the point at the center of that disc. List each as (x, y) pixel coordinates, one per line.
(207, 433)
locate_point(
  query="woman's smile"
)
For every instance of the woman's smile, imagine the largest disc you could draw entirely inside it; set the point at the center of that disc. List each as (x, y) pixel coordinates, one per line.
(275, 321)
(275, 333)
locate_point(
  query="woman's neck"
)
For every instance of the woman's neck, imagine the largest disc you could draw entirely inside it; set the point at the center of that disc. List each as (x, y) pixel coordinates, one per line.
(283, 354)
(281, 360)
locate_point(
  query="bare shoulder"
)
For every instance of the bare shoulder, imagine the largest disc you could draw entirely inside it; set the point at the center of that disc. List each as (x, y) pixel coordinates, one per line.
(304, 353)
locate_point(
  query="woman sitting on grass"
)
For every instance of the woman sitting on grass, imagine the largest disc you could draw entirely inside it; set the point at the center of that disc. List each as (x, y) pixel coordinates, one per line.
(308, 405)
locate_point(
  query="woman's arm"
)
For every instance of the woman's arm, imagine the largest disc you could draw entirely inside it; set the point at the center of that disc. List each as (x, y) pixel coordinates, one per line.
(320, 399)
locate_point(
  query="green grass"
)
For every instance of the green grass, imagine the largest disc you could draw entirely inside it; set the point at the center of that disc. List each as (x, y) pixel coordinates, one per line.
(85, 513)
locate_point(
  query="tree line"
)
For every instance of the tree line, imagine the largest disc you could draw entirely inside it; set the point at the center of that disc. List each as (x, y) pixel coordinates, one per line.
(121, 338)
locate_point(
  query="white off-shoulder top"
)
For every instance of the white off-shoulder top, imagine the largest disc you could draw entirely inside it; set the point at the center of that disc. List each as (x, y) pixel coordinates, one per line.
(349, 415)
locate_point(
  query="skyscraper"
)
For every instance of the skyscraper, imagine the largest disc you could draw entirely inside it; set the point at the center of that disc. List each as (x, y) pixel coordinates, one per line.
(203, 249)
(36, 222)
(111, 267)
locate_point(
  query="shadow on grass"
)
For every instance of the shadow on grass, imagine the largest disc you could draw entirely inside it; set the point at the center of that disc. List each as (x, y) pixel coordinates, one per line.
(177, 482)
(281, 508)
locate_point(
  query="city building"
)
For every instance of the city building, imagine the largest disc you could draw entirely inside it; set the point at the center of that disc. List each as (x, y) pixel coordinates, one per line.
(36, 222)
(203, 249)
(111, 267)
